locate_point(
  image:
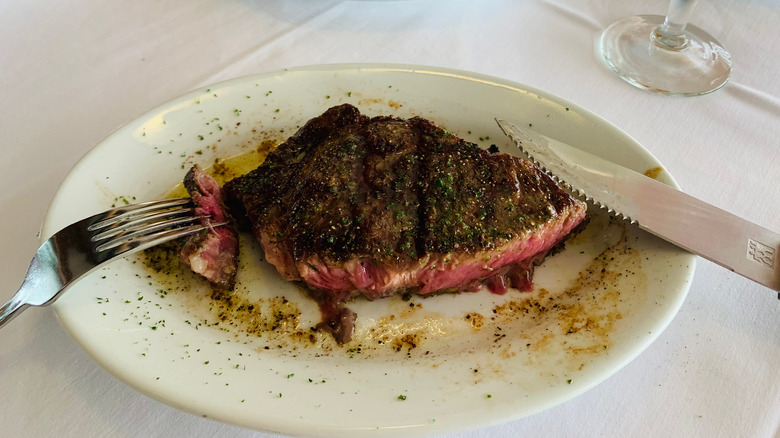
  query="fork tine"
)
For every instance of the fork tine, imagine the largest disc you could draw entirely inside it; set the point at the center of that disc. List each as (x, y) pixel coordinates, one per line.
(123, 246)
(120, 237)
(142, 220)
(122, 213)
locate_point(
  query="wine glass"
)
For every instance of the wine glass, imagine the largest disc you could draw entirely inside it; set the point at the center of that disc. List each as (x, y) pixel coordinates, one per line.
(666, 54)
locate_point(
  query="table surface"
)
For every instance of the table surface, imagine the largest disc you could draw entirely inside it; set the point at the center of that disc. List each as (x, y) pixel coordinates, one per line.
(75, 71)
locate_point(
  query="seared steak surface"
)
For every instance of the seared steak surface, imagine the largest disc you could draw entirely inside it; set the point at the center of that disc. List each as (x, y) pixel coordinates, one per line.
(376, 206)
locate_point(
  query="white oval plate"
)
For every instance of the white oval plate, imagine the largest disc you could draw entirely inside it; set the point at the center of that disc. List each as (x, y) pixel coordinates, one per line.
(419, 367)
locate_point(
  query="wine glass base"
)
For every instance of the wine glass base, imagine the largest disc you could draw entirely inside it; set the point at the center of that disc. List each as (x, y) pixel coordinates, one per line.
(627, 47)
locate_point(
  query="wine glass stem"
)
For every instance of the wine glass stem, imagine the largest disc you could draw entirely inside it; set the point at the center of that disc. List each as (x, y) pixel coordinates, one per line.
(671, 34)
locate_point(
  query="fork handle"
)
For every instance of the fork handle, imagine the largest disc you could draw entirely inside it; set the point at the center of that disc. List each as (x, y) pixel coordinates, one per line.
(11, 309)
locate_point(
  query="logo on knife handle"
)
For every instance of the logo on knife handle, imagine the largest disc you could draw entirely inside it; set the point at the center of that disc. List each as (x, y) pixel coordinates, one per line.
(763, 254)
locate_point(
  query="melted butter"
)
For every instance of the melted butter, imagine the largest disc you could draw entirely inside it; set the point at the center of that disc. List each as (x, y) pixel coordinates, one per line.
(230, 168)
(653, 172)
(374, 101)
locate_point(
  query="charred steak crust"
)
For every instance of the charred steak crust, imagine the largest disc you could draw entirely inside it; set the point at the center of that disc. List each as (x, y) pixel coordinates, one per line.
(376, 206)
(213, 252)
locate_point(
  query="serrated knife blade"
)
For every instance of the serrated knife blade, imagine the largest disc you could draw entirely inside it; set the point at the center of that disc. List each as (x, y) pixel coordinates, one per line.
(717, 235)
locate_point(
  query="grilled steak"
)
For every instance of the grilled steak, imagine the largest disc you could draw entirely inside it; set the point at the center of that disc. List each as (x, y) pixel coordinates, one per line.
(212, 253)
(355, 205)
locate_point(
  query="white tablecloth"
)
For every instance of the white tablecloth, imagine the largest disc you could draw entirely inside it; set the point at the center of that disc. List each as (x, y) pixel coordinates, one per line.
(73, 71)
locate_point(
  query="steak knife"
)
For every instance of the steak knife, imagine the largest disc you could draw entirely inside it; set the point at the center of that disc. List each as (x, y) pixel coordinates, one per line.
(719, 236)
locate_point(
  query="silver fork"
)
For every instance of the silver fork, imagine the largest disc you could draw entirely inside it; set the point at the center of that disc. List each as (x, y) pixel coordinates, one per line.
(80, 248)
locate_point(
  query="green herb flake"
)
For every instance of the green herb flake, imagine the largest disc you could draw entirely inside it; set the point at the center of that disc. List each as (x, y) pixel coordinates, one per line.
(402, 397)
